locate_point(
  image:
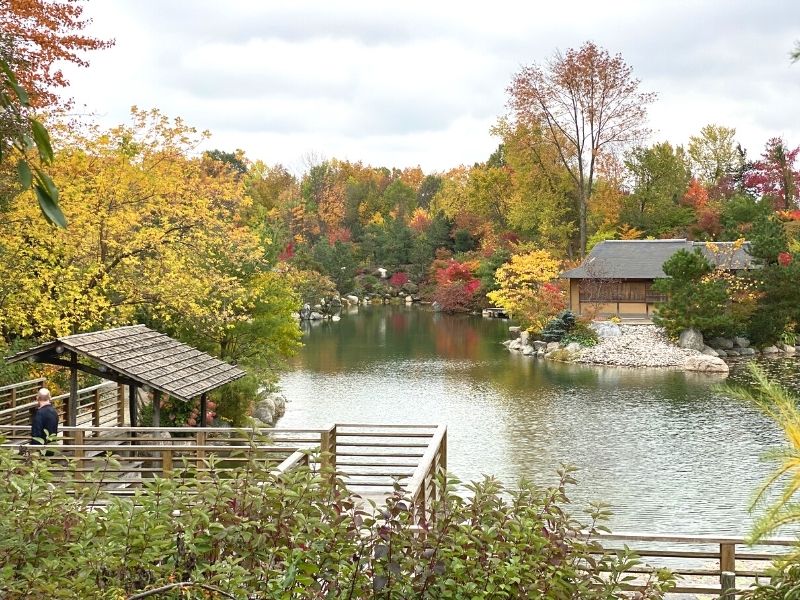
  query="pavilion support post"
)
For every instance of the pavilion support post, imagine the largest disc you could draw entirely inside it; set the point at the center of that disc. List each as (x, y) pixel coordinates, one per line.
(203, 409)
(157, 408)
(133, 396)
(72, 408)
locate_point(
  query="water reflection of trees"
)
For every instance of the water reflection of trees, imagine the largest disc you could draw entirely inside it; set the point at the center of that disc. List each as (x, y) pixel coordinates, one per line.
(390, 333)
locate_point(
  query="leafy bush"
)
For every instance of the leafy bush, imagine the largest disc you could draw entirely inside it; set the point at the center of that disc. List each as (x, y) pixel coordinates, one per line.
(557, 328)
(582, 334)
(298, 535)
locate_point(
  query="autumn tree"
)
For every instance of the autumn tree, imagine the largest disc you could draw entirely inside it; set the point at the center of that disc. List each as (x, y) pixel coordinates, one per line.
(775, 177)
(587, 103)
(525, 288)
(36, 36)
(715, 154)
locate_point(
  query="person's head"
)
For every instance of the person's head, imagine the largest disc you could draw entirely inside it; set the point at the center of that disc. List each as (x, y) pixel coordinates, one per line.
(43, 397)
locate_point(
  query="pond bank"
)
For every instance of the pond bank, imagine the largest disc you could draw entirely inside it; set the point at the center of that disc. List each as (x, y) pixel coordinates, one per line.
(637, 346)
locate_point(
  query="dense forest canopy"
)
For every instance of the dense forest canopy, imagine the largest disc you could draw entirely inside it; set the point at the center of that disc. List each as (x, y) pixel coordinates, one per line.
(219, 248)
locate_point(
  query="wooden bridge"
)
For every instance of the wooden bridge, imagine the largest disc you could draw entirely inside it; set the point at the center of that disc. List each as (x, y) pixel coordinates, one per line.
(371, 459)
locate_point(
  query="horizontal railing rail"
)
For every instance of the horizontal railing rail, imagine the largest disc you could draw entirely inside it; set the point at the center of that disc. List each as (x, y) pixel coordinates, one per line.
(370, 459)
(705, 564)
(17, 399)
(99, 405)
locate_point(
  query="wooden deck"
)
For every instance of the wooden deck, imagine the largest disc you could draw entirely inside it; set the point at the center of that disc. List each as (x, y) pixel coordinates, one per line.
(371, 459)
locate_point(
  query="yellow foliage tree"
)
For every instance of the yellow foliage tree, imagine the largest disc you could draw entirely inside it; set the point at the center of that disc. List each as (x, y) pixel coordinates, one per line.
(525, 288)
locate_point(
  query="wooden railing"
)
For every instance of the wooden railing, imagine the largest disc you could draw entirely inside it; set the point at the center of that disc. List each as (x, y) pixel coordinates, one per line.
(424, 487)
(17, 400)
(370, 459)
(718, 566)
(101, 405)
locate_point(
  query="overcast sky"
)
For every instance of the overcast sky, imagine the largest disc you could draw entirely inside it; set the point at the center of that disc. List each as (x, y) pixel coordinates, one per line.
(421, 83)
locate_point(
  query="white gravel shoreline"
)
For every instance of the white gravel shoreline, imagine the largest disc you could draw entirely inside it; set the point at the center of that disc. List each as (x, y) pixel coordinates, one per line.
(638, 346)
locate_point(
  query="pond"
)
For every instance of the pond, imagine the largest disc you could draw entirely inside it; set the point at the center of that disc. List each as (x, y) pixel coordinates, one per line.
(663, 448)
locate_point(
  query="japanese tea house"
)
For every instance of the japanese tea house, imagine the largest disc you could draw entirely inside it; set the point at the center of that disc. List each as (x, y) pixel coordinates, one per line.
(617, 276)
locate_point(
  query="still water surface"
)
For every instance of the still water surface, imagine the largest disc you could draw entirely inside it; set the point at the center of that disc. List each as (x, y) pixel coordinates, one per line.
(665, 449)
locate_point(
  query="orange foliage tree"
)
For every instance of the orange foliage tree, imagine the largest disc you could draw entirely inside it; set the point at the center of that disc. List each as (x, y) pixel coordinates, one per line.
(36, 36)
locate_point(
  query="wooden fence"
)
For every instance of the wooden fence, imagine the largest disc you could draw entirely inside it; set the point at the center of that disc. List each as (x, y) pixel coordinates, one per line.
(16, 401)
(713, 565)
(370, 459)
(101, 405)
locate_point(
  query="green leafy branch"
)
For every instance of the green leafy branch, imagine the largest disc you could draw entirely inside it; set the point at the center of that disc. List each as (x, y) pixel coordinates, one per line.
(15, 100)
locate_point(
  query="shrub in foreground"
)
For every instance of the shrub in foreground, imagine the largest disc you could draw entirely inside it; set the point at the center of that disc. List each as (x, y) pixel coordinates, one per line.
(257, 535)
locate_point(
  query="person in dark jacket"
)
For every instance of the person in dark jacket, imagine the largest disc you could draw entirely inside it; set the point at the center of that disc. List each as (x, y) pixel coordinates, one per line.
(45, 419)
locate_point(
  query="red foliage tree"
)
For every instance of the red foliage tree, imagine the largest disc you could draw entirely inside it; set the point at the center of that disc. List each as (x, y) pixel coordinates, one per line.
(775, 177)
(398, 279)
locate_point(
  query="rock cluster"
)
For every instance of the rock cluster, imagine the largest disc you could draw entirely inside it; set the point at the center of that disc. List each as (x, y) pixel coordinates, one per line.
(638, 346)
(625, 346)
(268, 410)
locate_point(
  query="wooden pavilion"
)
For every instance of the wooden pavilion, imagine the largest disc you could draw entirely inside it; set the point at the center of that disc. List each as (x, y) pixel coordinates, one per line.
(136, 356)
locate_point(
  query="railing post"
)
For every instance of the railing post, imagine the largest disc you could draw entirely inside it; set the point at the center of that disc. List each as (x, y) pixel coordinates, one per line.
(166, 461)
(327, 448)
(13, 397)
(78, 452)
(96, 408)
(120, 405)
(727, 568)
(200, 436)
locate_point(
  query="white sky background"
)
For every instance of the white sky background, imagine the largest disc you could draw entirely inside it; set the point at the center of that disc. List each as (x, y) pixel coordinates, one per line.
(420, 83)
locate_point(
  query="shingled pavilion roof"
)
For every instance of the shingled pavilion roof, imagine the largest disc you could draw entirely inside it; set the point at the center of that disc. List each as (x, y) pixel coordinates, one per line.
(145, 357)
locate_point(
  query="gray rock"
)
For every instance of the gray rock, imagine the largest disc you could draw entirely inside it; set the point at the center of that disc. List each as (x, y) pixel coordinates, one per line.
(551, 346)
(721, 352)
(507, 343)
(691, 339)
(606, 329)
(721, 342)
(710, 351)
(705, 364)
(514, 331)
(540, 346)
(305, 312)
(269, 409)
(352, 299)
(410, 288)
(315, 316)
(748, 351)
(524, 336)
(574, 347)
(733, 351)
(335, 318)
(436, 307)
(409, 300)
(789, 349)
(515, 344)
(528, 350)
(741, 342)
(771, 350)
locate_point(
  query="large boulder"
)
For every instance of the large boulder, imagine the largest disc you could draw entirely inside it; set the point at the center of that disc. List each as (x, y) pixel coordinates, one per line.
(315, 316)
(705, 364)
(771, 350)
(708, 350)
(741, 342)
(721, 342)
(524, 336)
(352, 299)
(528, 350)
(748, 351)
(691, 339)
(540, 346)
(606, 329)
(552, 346)
(269, 409)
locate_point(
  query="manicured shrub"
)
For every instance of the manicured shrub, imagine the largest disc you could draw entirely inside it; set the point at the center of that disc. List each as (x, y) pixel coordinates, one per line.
(557, 328)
